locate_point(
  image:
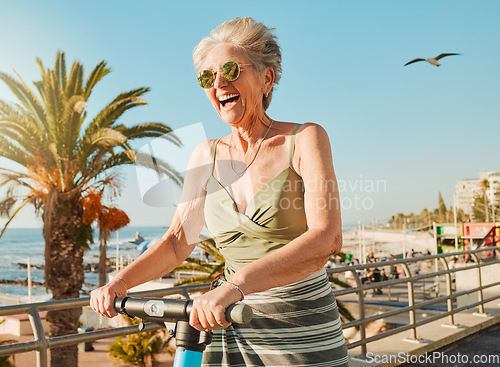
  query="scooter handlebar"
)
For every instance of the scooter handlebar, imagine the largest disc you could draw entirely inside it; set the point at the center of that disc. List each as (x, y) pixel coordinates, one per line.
(172, 310)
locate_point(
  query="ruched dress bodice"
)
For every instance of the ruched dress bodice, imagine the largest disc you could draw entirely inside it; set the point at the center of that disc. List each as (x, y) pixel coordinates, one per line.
(274, 216)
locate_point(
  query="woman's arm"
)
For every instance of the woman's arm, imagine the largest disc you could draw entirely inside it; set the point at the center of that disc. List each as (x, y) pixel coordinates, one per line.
(174, 246)
(304, 255)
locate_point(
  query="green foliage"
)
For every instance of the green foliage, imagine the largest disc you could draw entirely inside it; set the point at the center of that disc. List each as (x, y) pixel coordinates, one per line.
(6, 361)
(478, 209)
(84, 235)
(342, 255)
(442, 206)
(209, 270)
(345, 314)
(425, 219)
(138, 349)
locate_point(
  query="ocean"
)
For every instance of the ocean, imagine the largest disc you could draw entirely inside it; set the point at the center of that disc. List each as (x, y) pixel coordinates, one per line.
(19, 244)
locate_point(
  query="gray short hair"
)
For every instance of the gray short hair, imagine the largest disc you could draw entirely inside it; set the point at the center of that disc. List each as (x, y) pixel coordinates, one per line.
(258, 41)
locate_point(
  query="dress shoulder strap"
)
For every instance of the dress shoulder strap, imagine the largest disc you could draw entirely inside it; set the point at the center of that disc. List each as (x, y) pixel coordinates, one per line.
(292, 143)
(213, 153)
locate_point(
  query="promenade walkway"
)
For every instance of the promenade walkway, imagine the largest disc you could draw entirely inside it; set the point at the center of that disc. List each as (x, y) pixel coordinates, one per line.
(393, 350)
(481, 350)
(99, 357)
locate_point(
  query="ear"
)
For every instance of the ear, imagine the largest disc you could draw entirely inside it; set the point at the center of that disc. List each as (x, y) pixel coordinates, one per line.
(268, 80)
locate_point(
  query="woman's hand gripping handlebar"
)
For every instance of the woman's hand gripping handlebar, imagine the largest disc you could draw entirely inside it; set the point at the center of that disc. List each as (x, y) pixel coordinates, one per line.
(161, 310)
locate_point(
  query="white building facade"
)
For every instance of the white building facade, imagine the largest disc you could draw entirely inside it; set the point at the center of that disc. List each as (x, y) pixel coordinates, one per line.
(466, 190)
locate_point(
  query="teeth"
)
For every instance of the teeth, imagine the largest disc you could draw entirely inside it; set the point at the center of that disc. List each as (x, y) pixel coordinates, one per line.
(227, 96)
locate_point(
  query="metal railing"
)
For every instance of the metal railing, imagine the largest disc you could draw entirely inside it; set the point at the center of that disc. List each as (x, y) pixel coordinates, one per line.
(41, 344)
(441, 268)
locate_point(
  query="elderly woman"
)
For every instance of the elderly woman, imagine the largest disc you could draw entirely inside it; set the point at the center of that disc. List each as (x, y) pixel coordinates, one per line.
(267, 193)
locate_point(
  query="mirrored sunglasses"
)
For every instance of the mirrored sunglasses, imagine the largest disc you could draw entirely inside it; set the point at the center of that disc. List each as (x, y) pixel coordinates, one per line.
(230, 70)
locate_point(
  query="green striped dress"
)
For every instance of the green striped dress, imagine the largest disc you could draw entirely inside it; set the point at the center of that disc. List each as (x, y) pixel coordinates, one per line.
(293, 325)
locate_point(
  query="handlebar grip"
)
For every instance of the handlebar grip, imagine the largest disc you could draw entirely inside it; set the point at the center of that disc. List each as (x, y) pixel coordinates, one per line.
(239, 313)
(161, 309)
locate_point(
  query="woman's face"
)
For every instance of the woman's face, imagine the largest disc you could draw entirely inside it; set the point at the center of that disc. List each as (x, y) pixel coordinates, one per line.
(236, 102)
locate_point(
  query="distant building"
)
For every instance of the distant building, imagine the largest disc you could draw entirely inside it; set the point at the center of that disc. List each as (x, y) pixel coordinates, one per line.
(493, 192)
(465, 190)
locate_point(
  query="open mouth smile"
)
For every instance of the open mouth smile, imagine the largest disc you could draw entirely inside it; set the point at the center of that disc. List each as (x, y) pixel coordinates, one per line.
(229, 100)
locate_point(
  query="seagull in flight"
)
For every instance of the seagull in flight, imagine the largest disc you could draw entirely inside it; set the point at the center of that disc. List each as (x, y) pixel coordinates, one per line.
(432, 61)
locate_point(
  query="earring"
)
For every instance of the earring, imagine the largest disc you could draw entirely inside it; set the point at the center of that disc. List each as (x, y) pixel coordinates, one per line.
(267, 94)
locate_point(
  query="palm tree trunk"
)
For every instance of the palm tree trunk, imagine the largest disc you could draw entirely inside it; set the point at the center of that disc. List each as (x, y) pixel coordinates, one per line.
(102, 262)
(66, 238)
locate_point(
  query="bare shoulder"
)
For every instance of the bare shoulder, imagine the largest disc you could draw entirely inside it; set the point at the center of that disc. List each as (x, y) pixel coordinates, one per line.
(311, 132)
(200, 165)
(312, 138)
(202, 153)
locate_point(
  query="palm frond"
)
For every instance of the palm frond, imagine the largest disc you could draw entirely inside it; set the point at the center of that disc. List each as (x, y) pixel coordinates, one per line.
(60, 69)
(113, 111)
(160, 166)
(53, 105)
(6, 205)
(25, 124)
(16, 178)
(12, 152)
(90, 166)
(150, 130)
(60, 181)
(15, 136)
(12, 216)
(99, 72)
(194, 280)
(71, 121)
(338, 282)
(344, 311)
(106, 137)
(26, 96)
(41, 68)
(209, 246)
(137, 92)
(75, 78)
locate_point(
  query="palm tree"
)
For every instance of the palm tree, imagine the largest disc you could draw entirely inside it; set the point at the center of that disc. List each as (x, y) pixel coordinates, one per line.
(207, 271)
(109, 219)
(58, 157)
(485, 185)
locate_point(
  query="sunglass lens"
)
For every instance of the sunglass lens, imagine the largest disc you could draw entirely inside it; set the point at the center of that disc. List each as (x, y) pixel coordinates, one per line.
(230, 70)
(206, 78)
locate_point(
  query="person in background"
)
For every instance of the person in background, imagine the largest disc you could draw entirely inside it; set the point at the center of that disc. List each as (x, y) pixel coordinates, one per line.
(138, 237)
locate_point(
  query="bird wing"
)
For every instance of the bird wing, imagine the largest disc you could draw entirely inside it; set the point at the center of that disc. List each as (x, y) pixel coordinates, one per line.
(412, 61)
(444, 55)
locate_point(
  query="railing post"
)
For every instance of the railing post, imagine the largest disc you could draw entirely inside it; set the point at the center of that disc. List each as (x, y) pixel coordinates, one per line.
(449, 301)
(480, 286)
(39, 334)
(361, 308)
(411, 301)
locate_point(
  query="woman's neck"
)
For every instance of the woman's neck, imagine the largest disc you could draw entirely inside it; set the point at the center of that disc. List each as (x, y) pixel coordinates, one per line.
(248, 136)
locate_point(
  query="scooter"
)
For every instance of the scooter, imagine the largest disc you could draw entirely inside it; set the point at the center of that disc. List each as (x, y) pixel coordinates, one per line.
(189, 342)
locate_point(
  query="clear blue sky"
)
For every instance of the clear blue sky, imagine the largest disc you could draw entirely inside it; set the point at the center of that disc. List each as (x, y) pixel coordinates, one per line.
(414, 130)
